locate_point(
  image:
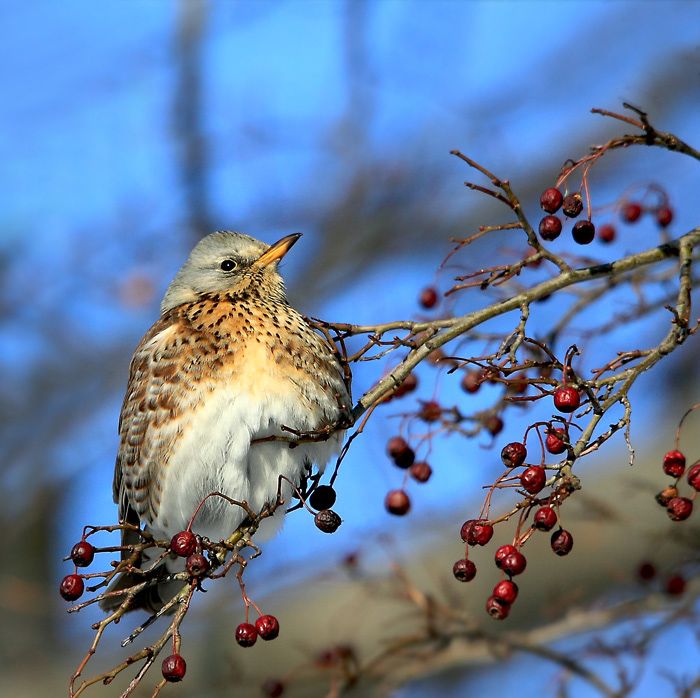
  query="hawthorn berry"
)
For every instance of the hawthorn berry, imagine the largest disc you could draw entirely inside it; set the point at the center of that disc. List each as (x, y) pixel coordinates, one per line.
(567, 398)
(533, 479)
(476, 532)
(572, 205)
(471, 381)
(606, 233)
(506, 591)
(674, 463)
(664, 216)
(502, 553)
(421, 471)
(273, 688)
(555, 441)
(327, 521)
(397, 503)
(183, 543)
(513, 454)
(646, 571)
(583, 232)
(514, 563)
(197, 565)
(72, 587)
(430, 411)
(464, 570)
(246, 634)
(268, 627)
(428, 298)
(173, 668)
(679, 508)
(666, 495)
(550, 228)
(493, 424)
(694, 477)
(408, 385)
(562, 542)
(551, 200)
(82, 553)
(497, 608)
(631, 212)
(545, 518)
(400, 452)
(675, 585)
(323, 497)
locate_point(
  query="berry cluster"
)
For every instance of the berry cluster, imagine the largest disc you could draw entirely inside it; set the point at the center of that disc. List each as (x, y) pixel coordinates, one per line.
(397, 502)
(677, 507)
(674, 585)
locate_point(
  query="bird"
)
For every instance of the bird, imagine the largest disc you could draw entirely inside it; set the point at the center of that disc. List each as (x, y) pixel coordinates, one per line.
(228, 366)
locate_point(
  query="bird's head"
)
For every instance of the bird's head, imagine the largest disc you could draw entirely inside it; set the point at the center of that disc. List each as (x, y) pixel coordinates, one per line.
(229, 262)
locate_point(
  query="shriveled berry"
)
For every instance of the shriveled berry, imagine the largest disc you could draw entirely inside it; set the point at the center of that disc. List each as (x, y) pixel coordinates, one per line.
(400, 452)
(72, 587)
(493, 424)
(183, 543)
(551, 200)
(583, 232)
(513, 454)
(246, 634)
(197, 565)
(323, 497)
(606, 233)
(562, 542)
(572, 205)
(268, 627)
(545, 518)
(397, 503)
(646, 571)
(666, 495)
(273, 688)
(464, 570)
(664, 216)
(471, 381)
(555, 441)
(476, 532)
(428, 298)
(679, 508)
(675, 585)
(327, 521)
(497, 608)
(567, 398)
(533, 479)
(694, 477)
(174, 668)
(631, 211)
(82, 554)
(430, 411)
(502, 553)
(514, 563)
(506, 591)
(421, 471)
(550, 228)
(674, 463)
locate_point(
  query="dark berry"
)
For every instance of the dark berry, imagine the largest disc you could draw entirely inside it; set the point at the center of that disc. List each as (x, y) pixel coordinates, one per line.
(606, 233)
(555, 441)
(272, 688)
(72, 587)
(400, 452)
(183, 543)
(675, 585)
(694, 477)
(428, 298)
(506, 591)
(572, 205)
(497, 608)
(397, 503)
(476, 532)
(174, 668)
(583, 232)
(502, 553)
(471, 381)
(323, 497)
(464, 570)
(551, 200)
(545, 518)
(246, 634)
(430, 411)
(666, 495)
(513, 454)
(409, 384)
(664, 216)
(533, 479)
(493, 424)
(674, 464)
(550, 228)
(679, 508)
(327, 521)
(562, 542)
(517, 386)
(268, 627)
(514, 563)
(197, 565)
(631, 211)
(646, 571)
(82, 554)
(421, 471)
(567, 398)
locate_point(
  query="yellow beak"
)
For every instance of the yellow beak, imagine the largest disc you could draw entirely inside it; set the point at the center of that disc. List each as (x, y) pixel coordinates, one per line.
(278, 250)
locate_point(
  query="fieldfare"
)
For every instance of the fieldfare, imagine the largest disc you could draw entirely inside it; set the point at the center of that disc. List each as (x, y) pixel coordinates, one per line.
(228, 363)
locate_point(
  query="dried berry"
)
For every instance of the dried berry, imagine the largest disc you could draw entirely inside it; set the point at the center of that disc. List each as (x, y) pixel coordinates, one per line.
(545, 518)
(572, 206)
(514, 563)
(533, 479)
(183, 543)
(464, 570)
(674, 463)
(555, 441)
(551, 200)
(583, 232)
(476, 532)
(562, 542)
(550, 228)
(666, 495)
(679, 508)
(268, 627)
(174, 668)
(513, 454)
(502, 553)
(327, 521)
(506, 591)
(497, 608)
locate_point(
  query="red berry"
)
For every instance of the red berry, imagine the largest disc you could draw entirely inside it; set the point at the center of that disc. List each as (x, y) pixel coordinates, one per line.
(72, 587)
(268, 627)
(246, 634)
(323, 497)
(497, 608)
(430, 411)
(583, 232)
(550, 228)
(545, 518)
(555, 441)
(464, 570)
(567, 398)
(400, 452)
(572, 205)
(327, 521)
(664, 216)
(409, 384)
(397, 503)
(675, 585)
(551, 200)
(679, 508)
(421, 471)
(666, 495)
(674, 463)
(174, 668)
(82, 554)
(513, 454)
(471, 381)
(506, 591)
(562, 542)
(646, 571)
(493, 424)
(694, 477)
(533, 479)
(631, 211)
(428, 298)
(476, 532)
(606, 233)
(183, 543)
(502, 553)
(272, 688)
(197, 565)
(514, 563)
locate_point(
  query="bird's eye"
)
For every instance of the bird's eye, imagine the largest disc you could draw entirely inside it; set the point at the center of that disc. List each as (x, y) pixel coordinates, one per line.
(228, 265)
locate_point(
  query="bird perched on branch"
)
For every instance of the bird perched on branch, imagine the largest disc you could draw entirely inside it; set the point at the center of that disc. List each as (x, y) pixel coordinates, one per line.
(228, 363)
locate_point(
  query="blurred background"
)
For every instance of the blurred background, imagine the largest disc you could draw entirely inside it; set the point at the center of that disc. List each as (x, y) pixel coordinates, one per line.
(129, 130)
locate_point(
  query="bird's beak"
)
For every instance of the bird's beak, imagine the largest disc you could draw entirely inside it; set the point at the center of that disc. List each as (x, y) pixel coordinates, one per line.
(278, 250)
